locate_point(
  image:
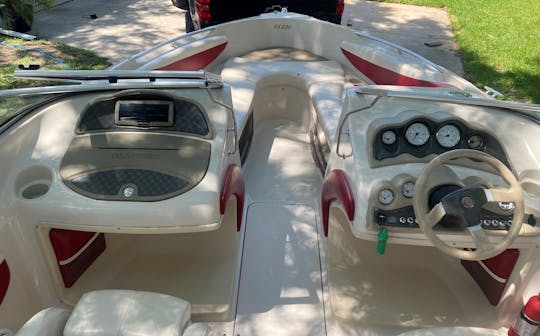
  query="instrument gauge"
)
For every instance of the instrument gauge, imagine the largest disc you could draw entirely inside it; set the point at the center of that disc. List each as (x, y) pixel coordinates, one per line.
(417, 134)
(388, 137)
(475, 142)
(386, 196)
(448, 136)
(408, 189)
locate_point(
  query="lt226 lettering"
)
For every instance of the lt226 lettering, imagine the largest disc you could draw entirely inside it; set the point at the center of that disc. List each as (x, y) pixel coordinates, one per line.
(282, 26)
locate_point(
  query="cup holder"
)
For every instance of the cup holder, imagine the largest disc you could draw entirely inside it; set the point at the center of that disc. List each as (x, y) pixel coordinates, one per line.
(33, 182)
(530, 182)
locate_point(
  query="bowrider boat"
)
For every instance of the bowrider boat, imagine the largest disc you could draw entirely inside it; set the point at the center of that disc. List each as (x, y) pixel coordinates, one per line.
(277, 175)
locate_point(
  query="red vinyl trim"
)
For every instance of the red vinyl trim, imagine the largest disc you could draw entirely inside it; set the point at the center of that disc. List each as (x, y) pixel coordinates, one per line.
(336, 187)
(198, 61)
(383, 76)
(233, 184)
(72, 271)
(501, 266)
(66, 243)
(5, 277)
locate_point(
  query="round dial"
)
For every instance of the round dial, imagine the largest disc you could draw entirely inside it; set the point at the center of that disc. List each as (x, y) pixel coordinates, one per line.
(417, 134)
(475, 142)
(408, 189)
(388, 137)
(386, 196)
(448, 136)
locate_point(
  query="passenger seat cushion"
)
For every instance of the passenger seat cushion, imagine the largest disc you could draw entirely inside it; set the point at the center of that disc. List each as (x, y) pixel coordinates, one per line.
(48, 322)
(128, 313)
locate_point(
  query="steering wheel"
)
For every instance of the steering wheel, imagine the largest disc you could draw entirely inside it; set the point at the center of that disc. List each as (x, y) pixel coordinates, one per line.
(466, 204)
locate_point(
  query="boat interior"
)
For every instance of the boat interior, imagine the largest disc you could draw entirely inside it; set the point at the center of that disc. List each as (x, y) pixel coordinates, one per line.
(272, 186)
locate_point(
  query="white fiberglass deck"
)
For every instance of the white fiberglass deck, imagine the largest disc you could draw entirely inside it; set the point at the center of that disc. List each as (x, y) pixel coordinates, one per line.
(282, 285)
(280, 290)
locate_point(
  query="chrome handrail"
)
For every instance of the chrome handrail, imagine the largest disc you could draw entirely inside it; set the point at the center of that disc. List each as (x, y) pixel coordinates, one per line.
(342, 123)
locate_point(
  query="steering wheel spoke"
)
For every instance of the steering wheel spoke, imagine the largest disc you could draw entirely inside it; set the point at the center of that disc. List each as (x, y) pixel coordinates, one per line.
(435, 215)
(479, 236)
(466, 204)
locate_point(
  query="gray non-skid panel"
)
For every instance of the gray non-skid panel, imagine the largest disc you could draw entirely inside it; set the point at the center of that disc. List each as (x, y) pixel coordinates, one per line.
(280, 289)
(110, 182)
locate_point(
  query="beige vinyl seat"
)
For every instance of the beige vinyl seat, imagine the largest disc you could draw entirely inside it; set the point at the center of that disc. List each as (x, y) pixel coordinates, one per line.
(118, 313)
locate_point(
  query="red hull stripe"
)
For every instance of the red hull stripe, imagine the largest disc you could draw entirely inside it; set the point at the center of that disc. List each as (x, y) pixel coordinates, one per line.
(198, 61)
(383, 76)
(4, 279)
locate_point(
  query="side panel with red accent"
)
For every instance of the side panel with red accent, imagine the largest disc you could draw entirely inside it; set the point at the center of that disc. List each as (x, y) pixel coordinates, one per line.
(492, 274)
(233, 184)
(5, 277)
(198, 61)
(336, 187)
(75, 251)
(383, 76)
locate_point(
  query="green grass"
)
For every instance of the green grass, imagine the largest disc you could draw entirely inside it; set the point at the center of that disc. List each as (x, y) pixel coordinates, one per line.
(10, 58)
(499, 42)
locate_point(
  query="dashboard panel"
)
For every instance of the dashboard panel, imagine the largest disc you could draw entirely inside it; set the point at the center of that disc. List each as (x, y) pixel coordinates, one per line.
(389, 141)
(421, 137)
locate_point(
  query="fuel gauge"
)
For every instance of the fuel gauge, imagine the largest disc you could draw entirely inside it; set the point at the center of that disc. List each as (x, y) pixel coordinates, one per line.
(388, 137)
(386, 196)
(408, 189)
(475, 142)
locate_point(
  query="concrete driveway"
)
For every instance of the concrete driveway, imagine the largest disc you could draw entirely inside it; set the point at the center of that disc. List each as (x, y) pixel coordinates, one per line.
(125, 27)
(408, 26)
(122, 27)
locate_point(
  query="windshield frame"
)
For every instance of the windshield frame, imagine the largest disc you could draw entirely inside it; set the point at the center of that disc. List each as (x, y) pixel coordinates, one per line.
(53, 93)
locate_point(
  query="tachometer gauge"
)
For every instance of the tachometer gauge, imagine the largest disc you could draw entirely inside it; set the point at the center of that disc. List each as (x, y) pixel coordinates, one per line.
(408, 189)
(388, 137)
(417, 134)
(386, 196)
(448, 136)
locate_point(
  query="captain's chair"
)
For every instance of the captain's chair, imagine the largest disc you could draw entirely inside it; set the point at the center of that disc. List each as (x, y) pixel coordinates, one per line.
(117, 313)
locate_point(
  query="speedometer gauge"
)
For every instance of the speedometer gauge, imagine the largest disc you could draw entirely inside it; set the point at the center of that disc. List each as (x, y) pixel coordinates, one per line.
(417, 134)
(448, 136)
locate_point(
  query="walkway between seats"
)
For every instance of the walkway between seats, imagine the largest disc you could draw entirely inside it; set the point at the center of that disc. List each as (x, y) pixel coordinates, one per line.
(280, 291)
